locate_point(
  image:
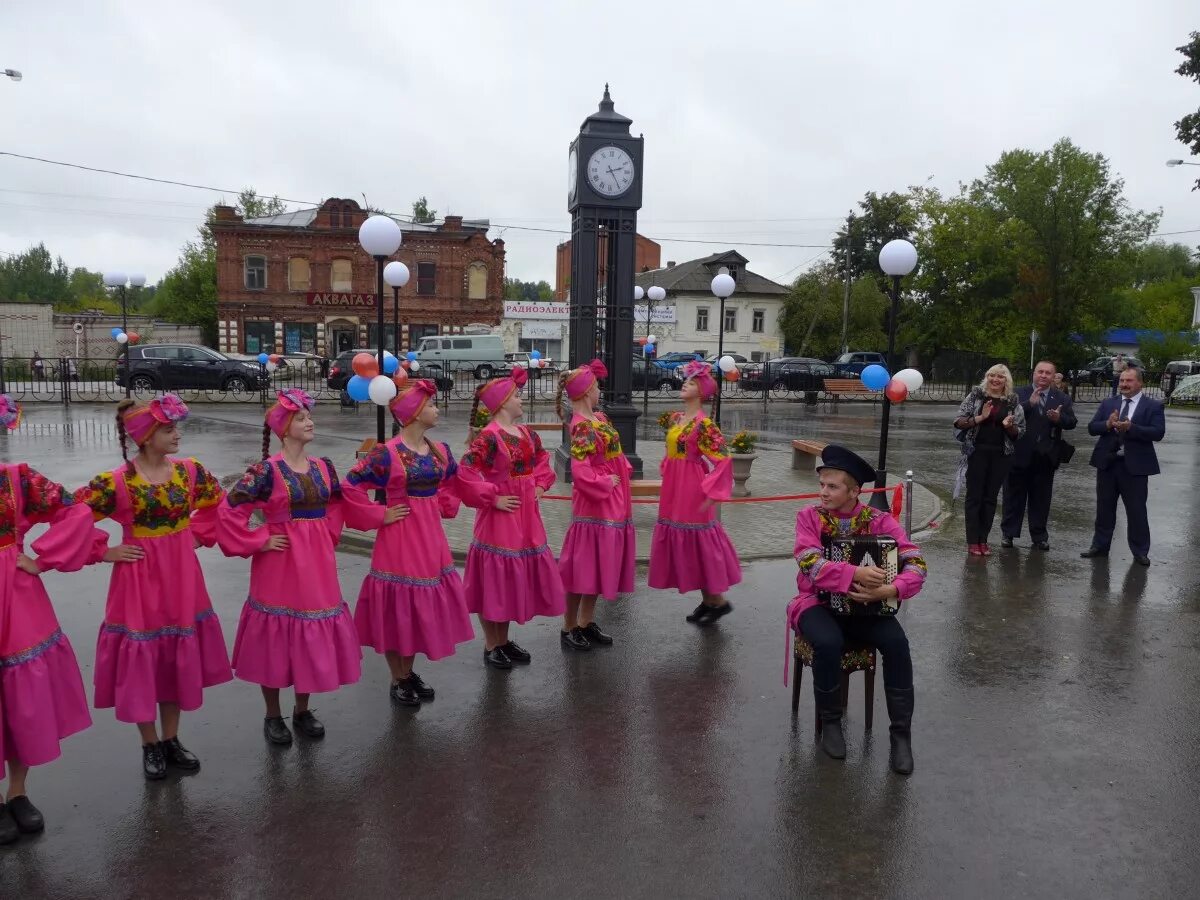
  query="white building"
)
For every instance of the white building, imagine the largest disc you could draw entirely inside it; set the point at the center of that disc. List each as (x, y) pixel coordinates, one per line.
(535, 326)
(687, 320)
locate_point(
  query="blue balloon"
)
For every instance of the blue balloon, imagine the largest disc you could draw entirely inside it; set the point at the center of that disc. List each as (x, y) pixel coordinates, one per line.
(390, 365)
(114, 332)
(535, 354)
(359, 388)
(262, 359)
(411, 355)
(875, 377)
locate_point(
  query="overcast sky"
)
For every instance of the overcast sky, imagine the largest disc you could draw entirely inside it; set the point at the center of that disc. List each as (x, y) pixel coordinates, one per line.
(764, 121)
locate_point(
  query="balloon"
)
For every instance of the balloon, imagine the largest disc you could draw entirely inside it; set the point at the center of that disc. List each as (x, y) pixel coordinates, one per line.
(272, 366)
(541, 363)
(263, 359)
(536, 354)
(875, 377)
(114, 331)
(726, 363)
(134, 337)
(652, 339)
(413, 366)
(358, 388)
(122, 338)
(733, 375)
(274, 357)
(411, 355)
(643, 341)
(365, 364)
(896, 390)
(400, 378)
(390, 364)
(911, 378)
(381, 389)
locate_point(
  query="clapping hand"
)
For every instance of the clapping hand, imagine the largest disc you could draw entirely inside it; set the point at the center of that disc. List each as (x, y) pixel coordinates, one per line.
(1123, 425)
(1008, 421)
(987, 410)
(1035, 399)
(1113, 418)
(1054, 414)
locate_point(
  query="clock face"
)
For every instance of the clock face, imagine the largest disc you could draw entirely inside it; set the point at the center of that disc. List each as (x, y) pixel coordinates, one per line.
(572, 173)
(610, 171)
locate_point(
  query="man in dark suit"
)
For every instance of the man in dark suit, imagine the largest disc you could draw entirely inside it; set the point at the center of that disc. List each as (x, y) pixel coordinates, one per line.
(1124, 458)
(1030, 481)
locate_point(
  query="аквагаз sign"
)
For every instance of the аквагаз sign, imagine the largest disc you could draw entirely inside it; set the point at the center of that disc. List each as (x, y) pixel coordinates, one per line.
(329, 298)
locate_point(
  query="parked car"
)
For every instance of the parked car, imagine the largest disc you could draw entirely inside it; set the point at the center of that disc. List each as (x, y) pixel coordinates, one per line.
(789, 373)
(1100, 370)
(850, 365)
(481, 354)
(660, 377)
(523, 360)
(342, 370)
(676, 359)
(1186, 391)
(167, 367)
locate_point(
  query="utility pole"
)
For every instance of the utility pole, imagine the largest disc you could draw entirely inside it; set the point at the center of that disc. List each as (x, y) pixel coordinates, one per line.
(846, 298)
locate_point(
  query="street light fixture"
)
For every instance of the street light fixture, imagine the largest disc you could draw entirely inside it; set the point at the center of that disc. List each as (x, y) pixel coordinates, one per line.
(119, 280)
(13, 74)
(653, 294)
(722, 286)
(396, 274)
(1180, 162)
(380, 236)
(897, 259)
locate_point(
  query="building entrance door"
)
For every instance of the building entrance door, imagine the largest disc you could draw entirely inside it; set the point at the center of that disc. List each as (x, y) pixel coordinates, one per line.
(343, 339)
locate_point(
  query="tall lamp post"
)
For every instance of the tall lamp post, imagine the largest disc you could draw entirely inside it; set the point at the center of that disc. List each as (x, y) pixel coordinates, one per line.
(897, 259)
(396, 274)
(653, 295)
(722, 286)
(380, 236)
(120, 280)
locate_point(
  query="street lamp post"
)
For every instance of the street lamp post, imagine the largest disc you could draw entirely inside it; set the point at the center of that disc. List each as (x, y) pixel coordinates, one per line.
(120, 280)
(380, 236)
(722, 286)
(653, 295)
(396, 274)
(897, 259)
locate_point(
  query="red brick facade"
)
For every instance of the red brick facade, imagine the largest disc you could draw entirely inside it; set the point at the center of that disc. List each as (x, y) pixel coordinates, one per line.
(647, 255)
(264, 302)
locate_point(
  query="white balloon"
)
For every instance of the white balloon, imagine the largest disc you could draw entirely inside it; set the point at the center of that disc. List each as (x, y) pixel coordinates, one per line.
(414, 366)
(122, 338)
(381, 390)
(911, 379)
(652, 339)
(726, 364)
(271, 367)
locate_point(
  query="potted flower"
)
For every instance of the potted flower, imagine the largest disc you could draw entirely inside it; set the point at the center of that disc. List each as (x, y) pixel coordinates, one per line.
(742, 455)
(479, 423)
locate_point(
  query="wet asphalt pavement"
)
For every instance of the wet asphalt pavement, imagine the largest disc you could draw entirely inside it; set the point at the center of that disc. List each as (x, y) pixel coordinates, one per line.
(1056, 729)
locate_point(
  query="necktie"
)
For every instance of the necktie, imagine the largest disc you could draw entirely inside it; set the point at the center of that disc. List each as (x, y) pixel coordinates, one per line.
(1123, 417)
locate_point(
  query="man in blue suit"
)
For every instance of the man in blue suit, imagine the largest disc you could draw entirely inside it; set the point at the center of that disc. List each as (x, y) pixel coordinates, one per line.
(1030, 481)
(1124, 458)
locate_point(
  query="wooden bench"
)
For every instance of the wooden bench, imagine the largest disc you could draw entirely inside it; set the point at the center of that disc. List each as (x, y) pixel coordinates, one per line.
(805, 453)
(645, 488)
(544, 426)
(365, 447)
(847, 387)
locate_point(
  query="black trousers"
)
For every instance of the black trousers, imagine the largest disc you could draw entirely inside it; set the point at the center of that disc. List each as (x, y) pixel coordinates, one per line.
(1031, 487)
(987, 468)
(828, 635)
(1114, 482)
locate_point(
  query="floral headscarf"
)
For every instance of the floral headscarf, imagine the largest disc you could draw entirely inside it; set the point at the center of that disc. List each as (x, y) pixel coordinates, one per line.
(142, 421)
(700, 372)
(10, 412)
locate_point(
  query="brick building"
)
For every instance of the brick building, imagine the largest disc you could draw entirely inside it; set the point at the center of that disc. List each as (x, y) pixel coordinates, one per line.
(300, 282)
(647, 255)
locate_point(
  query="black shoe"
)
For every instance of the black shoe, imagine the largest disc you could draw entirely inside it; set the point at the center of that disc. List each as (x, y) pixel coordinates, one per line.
(276, 731)
(1006, 543)
(900, 710)
(495, 658)
(712, 614)
(698, 613)
(1093, 552)
(179, 756)
(419, 687)
(829, 708)
(27, 816)
(574, 639)
(1044, 546)
(308, 724)
(1142, 560)
(516, 654)
(403, 693)
(154, 763)
(592, 632)
(8, 828)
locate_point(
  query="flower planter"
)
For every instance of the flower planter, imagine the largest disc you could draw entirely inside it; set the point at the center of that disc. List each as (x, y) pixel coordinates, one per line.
(741, 472)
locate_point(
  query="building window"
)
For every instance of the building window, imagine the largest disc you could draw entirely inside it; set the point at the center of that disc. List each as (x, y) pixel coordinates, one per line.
(260, 337)
(341, 276)
(756, 356)
(759, 323)
(702, 318)
(299, 274)
(426, 276)
(477, 281)
(256, 273)
(730, 320)
(335, 218)
(389, 336)
(300, 337)
(347, 216)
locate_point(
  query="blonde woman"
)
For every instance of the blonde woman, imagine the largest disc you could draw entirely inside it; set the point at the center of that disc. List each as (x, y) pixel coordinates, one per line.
(989, 422)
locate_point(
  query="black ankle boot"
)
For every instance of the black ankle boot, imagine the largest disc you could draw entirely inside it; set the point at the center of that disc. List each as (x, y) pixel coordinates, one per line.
(900, 710)
(154, 763)
(829, 708)
(8, 827)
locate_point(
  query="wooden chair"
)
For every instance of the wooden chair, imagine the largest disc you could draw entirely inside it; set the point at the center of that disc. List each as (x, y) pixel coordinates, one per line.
(856, 657)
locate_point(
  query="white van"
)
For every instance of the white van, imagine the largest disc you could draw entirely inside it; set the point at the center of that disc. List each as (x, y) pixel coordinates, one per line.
(482, 354)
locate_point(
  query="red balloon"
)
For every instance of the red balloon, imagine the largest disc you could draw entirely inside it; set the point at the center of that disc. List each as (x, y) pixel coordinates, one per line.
(403, 365)
(274, 357)
(134, 337)
(401, 378)
(365, 364)
(896, 390)
(732, 375)
(642, 341)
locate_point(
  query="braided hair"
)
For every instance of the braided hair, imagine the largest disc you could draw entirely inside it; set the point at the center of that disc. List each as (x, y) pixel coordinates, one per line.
(475, 410)
(562, 389)
(266, 445)
(124, 405)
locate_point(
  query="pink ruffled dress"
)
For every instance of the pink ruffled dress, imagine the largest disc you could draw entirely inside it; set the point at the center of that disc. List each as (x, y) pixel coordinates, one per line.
(690, 550)
(599, 551)
(511, 575)
(160, 641)
(42, 700)
(295, 629)
(412, 599)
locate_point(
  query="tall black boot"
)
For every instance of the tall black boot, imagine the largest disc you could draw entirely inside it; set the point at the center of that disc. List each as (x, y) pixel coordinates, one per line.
(829, 708)
(900, 710)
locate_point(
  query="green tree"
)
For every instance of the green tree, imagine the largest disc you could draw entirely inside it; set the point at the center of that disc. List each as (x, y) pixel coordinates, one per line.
(421, 211)
(35, 276)
(253, 205)
(811, 320)
(1187, 129)
(528, 291)
(883, 217)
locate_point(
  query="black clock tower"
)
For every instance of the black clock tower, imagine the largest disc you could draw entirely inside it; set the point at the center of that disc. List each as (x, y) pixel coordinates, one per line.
(604, 194)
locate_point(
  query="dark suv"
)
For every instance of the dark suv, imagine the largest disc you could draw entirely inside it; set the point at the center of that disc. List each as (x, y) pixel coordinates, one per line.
(167, 367)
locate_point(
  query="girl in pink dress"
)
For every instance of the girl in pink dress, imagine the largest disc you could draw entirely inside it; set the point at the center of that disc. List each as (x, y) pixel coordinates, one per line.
(160, 644)
(41, 692)
(690, 550)
(511, 575)
(412, 599)
(600, 548)
(295, 629)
